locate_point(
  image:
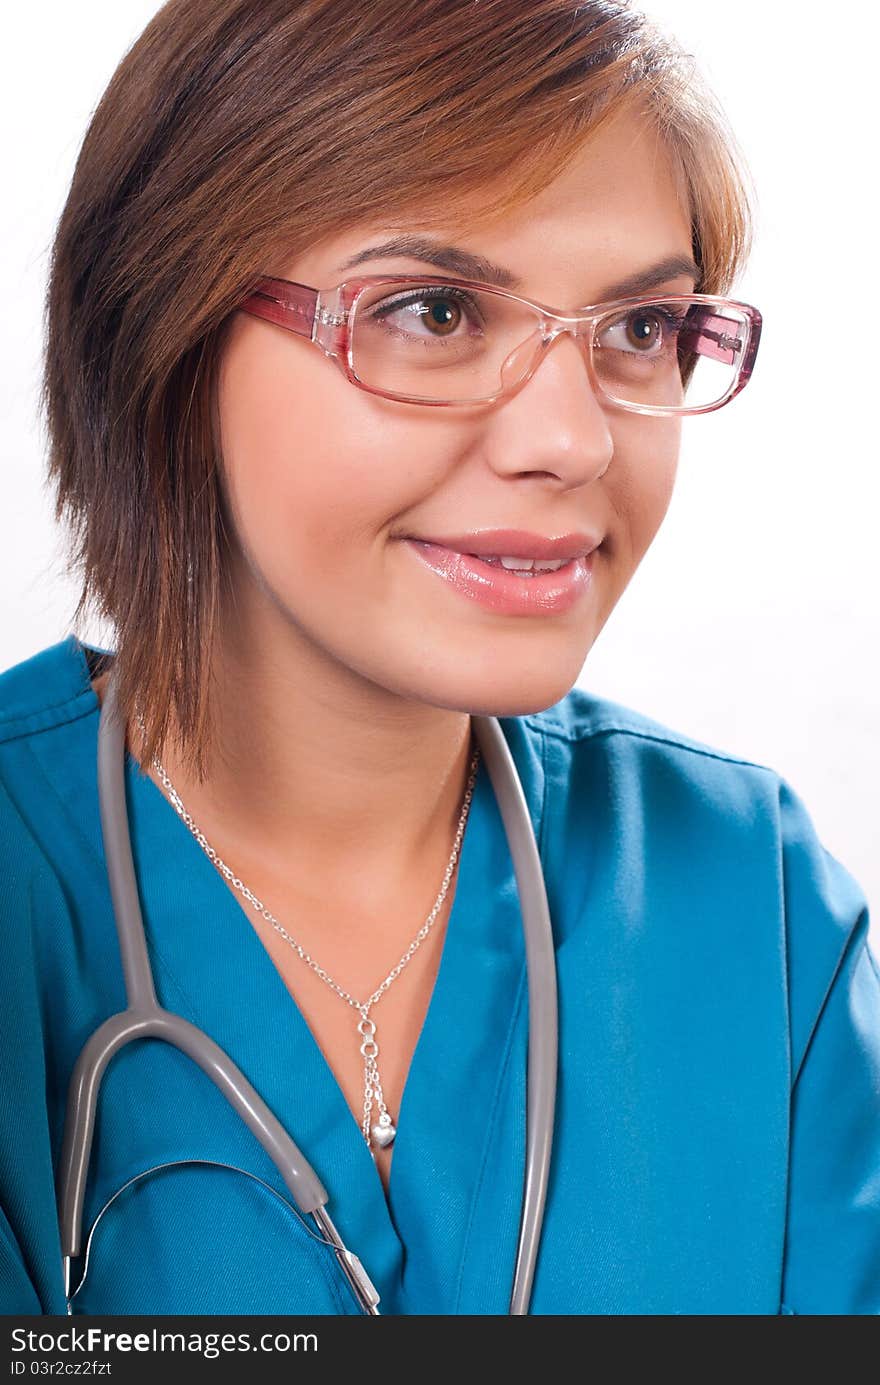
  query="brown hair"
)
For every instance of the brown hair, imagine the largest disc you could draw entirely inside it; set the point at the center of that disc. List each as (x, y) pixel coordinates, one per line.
(237, 130)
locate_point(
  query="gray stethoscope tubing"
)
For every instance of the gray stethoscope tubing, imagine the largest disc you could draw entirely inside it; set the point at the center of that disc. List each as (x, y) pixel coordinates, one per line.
(145, 1018)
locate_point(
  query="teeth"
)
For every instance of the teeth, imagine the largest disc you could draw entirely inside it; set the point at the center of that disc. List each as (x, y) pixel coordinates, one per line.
(525, 564)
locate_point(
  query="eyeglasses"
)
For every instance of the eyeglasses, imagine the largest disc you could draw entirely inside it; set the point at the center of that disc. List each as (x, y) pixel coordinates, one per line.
(430, 340)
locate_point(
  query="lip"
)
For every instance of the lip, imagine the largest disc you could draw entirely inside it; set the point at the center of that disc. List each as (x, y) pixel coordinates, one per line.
(548, 593)
(514, 543)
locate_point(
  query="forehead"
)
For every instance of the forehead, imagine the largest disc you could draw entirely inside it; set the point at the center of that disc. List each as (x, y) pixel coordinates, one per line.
(619, 194)
(615, 207)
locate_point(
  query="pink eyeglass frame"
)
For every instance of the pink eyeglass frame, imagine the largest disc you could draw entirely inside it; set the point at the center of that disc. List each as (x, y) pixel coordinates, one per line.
(324, 316)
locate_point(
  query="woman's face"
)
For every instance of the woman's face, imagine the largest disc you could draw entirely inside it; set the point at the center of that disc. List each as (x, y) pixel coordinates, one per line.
(324, 480)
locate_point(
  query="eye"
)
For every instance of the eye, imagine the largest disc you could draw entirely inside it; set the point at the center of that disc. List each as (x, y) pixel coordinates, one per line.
(439, 311)
(648, 331)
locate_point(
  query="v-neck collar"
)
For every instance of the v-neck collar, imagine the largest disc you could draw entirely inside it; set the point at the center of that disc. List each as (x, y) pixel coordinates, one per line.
(473, 1035)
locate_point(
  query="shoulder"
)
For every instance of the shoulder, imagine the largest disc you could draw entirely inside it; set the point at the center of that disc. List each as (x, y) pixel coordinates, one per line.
(583, 716)
(689, 829)
(44, 700)
(587, 739)
(628, 762)
(45, 690)
(606, 778)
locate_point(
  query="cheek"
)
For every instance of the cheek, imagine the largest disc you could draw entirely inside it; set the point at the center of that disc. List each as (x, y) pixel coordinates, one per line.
(644, 479)
(311, 465)
(319, 472)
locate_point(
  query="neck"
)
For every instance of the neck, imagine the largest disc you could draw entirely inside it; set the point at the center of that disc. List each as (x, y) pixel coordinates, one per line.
(317, 774)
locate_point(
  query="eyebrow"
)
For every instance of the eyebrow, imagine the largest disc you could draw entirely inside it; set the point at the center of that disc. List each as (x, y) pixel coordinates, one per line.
(468, 265)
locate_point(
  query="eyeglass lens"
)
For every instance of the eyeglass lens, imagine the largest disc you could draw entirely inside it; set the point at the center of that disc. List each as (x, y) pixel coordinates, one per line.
(450, 343)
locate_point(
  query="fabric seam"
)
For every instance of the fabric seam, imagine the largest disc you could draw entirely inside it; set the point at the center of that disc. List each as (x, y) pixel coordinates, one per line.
(12, 730)
(587, 733)
(855, 938)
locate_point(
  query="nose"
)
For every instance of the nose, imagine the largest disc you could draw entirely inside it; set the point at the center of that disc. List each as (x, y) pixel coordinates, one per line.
(553, 423)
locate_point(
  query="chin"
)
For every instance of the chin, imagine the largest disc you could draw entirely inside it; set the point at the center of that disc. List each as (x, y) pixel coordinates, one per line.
(498, 696)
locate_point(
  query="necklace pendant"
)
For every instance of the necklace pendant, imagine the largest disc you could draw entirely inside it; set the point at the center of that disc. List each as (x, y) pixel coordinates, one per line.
(384, 1131)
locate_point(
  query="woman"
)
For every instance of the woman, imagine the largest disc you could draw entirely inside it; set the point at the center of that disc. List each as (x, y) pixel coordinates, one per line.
(302, 559)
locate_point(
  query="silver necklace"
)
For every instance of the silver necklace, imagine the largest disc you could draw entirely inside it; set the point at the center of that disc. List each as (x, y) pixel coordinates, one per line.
(384, 1130)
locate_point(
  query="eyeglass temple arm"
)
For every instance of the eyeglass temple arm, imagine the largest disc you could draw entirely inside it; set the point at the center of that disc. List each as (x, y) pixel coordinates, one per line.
(289, 305)
(708, 334)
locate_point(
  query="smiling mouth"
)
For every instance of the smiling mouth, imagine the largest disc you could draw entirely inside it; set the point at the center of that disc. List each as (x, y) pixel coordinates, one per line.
(517, 586)
(521, 567)
(511, 551)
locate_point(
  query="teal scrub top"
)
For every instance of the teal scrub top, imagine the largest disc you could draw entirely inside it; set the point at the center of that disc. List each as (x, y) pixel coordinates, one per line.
(717, 1140)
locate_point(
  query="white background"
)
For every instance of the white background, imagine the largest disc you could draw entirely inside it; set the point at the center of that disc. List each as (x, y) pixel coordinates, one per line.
(752, 623)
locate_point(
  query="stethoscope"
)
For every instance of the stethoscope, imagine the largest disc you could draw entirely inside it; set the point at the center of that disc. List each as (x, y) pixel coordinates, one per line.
(146, 1018)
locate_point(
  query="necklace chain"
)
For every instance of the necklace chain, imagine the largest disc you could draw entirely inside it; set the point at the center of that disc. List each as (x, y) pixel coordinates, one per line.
(385, 1130)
